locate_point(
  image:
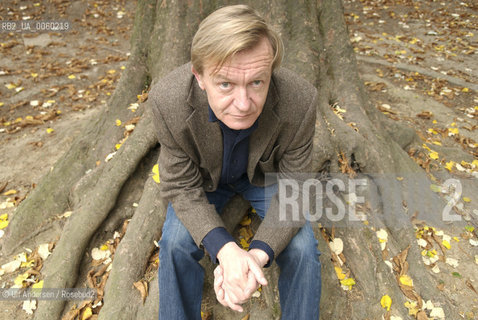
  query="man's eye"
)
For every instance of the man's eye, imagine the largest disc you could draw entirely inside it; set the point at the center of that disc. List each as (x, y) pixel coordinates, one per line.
(256, 83)
(224, 85)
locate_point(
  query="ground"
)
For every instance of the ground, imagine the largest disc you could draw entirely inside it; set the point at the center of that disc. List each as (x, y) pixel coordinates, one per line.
(418, 60)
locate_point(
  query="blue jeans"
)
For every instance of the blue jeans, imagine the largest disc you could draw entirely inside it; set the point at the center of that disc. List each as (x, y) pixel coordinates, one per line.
(181, 276)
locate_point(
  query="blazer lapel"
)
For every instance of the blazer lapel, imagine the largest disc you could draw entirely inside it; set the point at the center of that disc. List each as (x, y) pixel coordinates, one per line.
(207, 135)
(266, 130)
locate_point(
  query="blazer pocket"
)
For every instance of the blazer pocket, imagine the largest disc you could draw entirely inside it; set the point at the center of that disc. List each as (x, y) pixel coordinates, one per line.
(269, 162)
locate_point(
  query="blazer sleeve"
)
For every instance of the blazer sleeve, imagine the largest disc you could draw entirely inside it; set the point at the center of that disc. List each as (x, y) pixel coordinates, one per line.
(275, 230)
(182, 183)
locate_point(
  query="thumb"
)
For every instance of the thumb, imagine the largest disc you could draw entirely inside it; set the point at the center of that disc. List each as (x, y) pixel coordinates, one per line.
(257, 272)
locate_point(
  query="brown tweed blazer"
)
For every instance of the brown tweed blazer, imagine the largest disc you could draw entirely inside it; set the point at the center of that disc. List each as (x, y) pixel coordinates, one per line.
(190, 160)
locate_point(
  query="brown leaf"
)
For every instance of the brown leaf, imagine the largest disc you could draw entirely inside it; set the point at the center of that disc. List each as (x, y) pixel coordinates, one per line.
(425, 115)
(142, 287)
(421, 315)
(469, 285)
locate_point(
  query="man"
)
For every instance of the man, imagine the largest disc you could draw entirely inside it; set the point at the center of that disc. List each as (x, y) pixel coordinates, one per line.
(223, 122)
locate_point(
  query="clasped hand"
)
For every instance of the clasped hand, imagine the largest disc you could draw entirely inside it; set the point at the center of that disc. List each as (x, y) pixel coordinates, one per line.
(238, 275)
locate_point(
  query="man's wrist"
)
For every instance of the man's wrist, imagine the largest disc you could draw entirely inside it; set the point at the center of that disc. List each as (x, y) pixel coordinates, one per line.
(261, 256)
(225, 249)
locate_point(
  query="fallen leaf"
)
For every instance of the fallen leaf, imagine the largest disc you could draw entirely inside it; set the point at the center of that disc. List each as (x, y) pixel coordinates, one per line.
(386, 302)
(10, 192)
(406, 280)
(142, 287)
(118, 122)
(337, 246)
(155, 171)
(437, 313)
(446, 244)
(87, 314)
(38, 285)
(452, 262)
(339, 273)
(11, 266)
(29, 305)
(348, 283)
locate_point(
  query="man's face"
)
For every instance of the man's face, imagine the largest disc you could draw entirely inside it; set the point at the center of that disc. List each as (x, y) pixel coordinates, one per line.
(238, 91)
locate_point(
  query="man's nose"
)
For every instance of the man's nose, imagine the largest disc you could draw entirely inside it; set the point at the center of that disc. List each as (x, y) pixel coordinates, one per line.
(242, 100)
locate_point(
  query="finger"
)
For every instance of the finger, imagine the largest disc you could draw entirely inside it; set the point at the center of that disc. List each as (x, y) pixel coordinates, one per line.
(258, 274)
(220, 296)
(251, 285)
(218, 270)
(217, 284)
(230, 304)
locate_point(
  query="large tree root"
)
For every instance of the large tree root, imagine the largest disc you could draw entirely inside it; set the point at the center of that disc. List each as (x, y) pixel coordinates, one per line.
(62, 267)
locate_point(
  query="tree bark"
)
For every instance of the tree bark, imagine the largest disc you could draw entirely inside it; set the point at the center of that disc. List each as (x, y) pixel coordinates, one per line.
(362, 142)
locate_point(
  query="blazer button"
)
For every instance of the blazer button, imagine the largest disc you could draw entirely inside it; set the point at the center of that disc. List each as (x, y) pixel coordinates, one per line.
(209, 187)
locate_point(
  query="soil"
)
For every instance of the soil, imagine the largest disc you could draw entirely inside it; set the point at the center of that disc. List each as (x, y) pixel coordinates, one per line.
(418, 60)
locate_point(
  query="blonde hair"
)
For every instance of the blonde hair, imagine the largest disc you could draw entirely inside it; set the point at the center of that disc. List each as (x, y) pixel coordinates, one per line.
(228, 31)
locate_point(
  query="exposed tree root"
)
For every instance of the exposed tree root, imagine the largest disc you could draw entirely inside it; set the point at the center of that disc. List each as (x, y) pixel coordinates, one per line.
(62, 267)
(413, 68)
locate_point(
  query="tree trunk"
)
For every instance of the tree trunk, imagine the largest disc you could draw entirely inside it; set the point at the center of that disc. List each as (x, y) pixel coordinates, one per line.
(361, 142)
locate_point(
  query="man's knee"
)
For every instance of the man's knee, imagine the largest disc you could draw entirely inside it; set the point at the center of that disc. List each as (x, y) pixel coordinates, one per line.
(303, 246)
(177, 242)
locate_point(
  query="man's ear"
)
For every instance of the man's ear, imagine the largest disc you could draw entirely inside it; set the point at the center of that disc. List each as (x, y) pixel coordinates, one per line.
(198, 78)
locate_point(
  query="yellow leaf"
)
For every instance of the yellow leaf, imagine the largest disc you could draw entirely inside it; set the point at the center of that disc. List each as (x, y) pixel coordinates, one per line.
(38, 285)
(446, 244)
(50, 130)
(87, 313)
(3, 224)
(27, 264)
(450, 165)
(4, 217)
(438, 143)
(349, 282)
(406, 280)
(19, 279)
(104, 247)
(34, 75)
(122, 67)
(118, 122)
(112, 71)
(466, 199)
(474, 163)
(244, 244)
(71, 76)
(412, 308)
(453, 131)
(156, 173)
(339, 273)
(434, 122)
(10, 86)
(2, 104)
(117, 146)
(434, 155)
(386, 302)
(465, 90)
(10, 192)
(426, 147)
(456, 239)
(246, 221)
